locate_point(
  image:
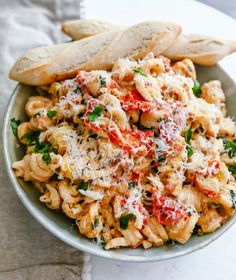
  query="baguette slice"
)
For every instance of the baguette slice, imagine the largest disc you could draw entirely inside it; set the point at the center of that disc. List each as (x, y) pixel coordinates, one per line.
(136, 42)
(79, 29)
(201, 49)
(45, 65)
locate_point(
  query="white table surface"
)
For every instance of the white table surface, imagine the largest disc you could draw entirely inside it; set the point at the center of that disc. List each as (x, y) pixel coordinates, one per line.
(218, 260)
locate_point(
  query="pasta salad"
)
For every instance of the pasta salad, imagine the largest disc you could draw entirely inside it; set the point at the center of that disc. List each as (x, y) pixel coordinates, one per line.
(138, 155)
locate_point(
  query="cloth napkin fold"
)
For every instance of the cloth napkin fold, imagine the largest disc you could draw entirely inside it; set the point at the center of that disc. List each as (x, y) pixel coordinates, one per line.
(27, 250)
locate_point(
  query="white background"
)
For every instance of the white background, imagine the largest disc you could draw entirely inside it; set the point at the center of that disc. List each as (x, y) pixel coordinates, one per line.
(218, 260)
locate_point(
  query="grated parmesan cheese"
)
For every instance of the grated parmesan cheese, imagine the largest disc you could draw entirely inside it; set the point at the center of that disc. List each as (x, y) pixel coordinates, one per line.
(92, 194)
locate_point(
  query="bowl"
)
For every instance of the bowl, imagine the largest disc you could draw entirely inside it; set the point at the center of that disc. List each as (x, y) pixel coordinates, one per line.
(61, 226)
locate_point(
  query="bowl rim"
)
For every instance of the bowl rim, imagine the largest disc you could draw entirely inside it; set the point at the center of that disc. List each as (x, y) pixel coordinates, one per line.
(40, 217)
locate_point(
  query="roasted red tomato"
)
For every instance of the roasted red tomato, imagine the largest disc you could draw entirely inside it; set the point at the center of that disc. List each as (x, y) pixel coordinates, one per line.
(213, 167)
(133, 139)
(133, 100)
(167, 210)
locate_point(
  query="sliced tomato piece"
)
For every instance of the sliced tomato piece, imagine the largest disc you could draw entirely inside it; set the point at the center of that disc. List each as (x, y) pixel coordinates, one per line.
(91, 126)
(209, 192)
(167, 210)
(213, 168)
(80, 78)
(114, 138)
(207, 184)
(133, 139)
(135, 176)
(133, 100)
(135, 95)
(145, 213)
(112, 86)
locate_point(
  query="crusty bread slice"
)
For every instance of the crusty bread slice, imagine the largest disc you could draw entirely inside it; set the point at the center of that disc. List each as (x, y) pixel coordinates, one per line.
(201, 49)
(79, 29)
(45, 65)
(136, 42)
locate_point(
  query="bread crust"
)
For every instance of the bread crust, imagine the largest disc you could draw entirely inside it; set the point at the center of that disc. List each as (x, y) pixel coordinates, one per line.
(201, 49)
(46, 65)
(79, 29)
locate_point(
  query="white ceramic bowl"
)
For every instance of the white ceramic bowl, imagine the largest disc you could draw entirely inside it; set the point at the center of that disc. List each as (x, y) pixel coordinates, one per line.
(60, 225)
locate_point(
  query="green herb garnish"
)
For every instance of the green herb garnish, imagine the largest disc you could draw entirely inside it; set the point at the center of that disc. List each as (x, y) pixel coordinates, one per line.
(102, 81)
(188, 135)
(31, 137)
(233, 198)
(97, 112)
(197, 88)
(47, 158)
(42, 147)
(83, 186)
(95, 223)
(232, 168)
(14, 126)
(80, 115)
(131, 184)
(139, 71)
(51, 114)
(124, 221)
(76, 89)
(189, 150)
(230, 148)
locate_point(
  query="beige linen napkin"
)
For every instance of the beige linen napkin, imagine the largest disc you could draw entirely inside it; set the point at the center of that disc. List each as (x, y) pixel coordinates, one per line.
(27, 250)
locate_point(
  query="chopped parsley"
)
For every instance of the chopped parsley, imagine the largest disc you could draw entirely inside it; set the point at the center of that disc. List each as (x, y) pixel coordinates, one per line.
(14, 126)
(80, 115)
(233, 198)
(139, 71)
(188, 136)
(42, 147)
(103, 81)
(95, 223)
(51, 114)
(230, 148)
(31, 137)
(83, 186)
(97, 112)
(189, 150)
(124, 221)
(232, 168)
(76, 89)
(47, 158)
(197, 88)
(131, 184)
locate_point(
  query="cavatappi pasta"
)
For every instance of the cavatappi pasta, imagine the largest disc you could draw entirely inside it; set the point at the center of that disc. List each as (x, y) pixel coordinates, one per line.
(136, 156)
